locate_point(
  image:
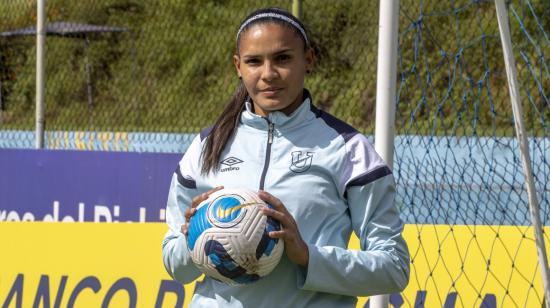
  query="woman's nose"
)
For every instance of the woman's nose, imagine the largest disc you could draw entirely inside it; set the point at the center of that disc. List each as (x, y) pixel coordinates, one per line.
(269, 71)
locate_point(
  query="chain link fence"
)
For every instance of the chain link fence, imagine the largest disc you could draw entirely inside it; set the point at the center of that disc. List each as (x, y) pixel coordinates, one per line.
(169, 68)
(163, 72)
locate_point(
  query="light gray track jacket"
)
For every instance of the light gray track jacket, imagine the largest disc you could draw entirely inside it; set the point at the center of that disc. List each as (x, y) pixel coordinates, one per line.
(331, 180)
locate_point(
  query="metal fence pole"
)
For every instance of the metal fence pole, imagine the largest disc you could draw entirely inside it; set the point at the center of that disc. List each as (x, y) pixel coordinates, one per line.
(1, 103)
(40, 63)
(297, 8)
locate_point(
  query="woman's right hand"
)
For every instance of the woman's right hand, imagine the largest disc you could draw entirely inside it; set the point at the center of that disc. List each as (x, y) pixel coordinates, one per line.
(194, 203)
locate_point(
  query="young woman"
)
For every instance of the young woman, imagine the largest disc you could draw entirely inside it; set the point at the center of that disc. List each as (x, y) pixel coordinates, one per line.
(323, 179)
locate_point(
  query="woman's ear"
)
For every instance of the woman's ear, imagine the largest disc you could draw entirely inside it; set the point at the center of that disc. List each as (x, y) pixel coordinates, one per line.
(237, 63)
(310, 59)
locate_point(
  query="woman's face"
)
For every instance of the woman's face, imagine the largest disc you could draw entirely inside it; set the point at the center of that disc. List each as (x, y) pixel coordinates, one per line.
(272, 63)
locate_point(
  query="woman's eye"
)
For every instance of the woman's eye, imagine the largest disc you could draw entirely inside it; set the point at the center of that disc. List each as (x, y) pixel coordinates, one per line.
(283, 57)
(252, 61)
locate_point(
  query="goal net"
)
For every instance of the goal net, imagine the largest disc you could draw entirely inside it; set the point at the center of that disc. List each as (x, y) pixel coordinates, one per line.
(457, 162)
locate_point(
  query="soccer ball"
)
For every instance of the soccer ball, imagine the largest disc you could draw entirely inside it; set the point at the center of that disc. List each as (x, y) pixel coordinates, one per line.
(228, 237)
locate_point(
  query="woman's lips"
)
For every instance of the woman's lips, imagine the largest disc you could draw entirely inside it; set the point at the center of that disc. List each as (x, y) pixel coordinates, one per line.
(271, 91)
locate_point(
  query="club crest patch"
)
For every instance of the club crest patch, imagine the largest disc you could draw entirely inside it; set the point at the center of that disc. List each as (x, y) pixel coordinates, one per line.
(301, 161)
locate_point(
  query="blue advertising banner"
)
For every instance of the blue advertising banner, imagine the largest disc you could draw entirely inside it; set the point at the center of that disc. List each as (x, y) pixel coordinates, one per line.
(44, 185)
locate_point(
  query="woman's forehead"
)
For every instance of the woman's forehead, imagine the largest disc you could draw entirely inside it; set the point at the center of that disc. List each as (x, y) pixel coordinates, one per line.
(258, 35)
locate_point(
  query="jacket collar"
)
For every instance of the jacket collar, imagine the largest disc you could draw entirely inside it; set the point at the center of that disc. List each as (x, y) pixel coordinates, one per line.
(282, 121)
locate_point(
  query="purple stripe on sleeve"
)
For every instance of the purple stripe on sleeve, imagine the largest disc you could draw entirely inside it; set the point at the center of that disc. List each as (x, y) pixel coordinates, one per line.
(187, 182)
(370, 177)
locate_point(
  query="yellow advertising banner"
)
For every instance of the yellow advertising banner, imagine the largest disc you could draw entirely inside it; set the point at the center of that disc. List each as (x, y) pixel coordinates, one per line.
(120, 265)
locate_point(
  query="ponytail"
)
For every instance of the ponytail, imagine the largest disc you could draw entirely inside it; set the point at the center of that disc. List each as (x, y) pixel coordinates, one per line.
(223, 130)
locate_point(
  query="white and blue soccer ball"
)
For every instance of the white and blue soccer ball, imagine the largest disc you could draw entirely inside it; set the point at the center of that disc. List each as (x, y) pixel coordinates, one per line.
(228, 237)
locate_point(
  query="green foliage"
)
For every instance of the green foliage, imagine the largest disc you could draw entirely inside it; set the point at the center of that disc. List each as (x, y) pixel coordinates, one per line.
(173, 72)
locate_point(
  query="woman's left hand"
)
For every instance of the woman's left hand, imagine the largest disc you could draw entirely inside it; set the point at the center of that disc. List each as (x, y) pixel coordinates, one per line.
(295, 247)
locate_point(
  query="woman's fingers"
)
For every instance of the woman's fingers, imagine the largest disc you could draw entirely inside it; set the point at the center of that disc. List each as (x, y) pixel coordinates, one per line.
(269, 198)
(213, 190)
(200, 198)
(277, 234)
(278, 210)
(189, 212)
(277, 215)
(295, 247)
(272, 200)
(193, 209)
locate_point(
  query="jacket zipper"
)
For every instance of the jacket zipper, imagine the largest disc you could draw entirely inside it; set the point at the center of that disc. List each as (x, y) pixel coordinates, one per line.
(267, 151)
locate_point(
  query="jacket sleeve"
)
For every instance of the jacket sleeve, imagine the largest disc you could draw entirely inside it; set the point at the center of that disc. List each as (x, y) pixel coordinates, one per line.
(183, 188)
(381, 266)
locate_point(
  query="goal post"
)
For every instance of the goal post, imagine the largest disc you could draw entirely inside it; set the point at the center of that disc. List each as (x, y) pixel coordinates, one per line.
(521, 133)
(386, 76)
(388, 31)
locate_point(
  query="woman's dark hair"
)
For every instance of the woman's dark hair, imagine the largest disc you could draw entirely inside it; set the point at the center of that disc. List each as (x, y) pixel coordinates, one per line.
(222, 130)
(224, 127)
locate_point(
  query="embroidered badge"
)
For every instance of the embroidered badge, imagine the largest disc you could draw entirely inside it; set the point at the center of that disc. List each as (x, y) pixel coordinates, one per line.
(301, 161)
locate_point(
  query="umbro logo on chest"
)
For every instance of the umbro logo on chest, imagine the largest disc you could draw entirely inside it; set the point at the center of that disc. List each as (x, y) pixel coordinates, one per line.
(229, 164)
